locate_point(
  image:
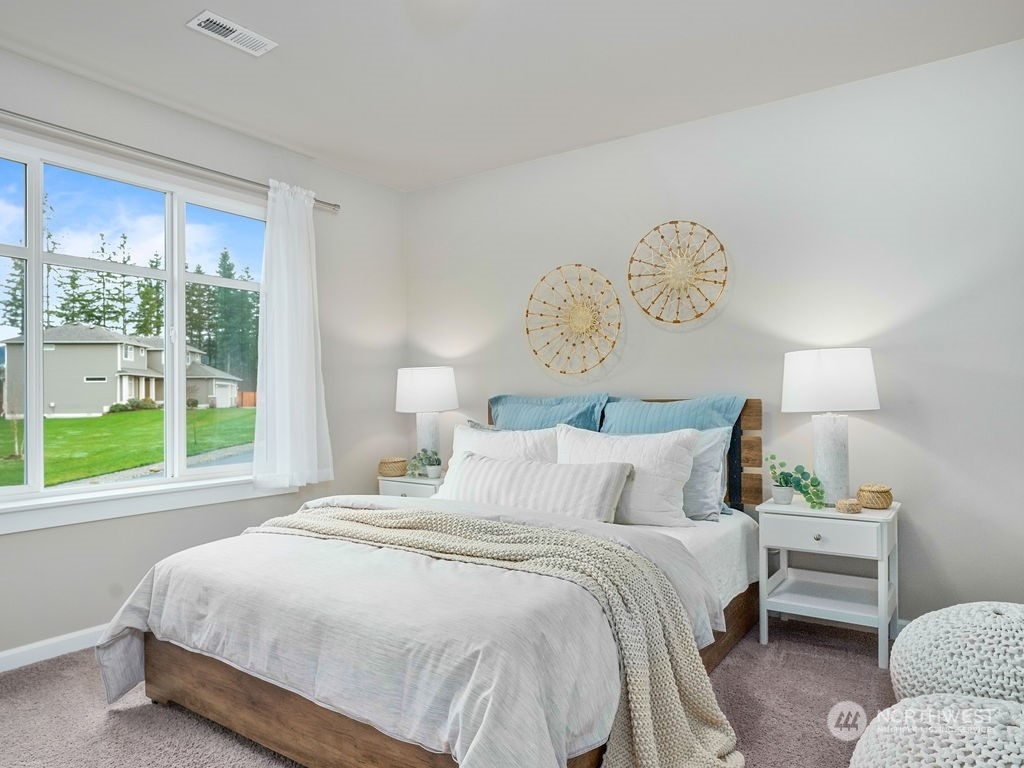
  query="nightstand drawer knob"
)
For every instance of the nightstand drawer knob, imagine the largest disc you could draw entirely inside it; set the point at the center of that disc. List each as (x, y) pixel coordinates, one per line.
(406, 494)
(817, 537)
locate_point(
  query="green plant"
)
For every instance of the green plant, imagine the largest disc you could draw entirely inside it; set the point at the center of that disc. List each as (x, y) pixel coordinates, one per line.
(192, 403)
(800, 480)
(423, 458)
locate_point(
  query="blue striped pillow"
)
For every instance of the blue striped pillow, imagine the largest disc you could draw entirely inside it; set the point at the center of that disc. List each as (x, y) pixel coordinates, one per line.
(524, 412)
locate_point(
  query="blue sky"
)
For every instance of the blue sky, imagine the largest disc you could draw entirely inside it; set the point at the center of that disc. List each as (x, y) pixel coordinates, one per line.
(12, 202)
(85, 206)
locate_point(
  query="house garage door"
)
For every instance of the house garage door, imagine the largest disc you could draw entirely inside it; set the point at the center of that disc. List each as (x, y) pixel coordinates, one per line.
(224, 394)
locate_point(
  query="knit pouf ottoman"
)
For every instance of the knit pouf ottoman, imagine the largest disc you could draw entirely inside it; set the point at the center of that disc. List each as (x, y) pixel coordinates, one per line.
(976, 649)
(944, 729)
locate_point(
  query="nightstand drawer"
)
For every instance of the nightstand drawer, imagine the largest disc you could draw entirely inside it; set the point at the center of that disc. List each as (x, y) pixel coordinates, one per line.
(835, 537)
(406, 488)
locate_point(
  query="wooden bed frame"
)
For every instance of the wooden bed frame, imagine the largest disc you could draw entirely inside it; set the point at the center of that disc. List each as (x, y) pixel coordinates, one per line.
(316, 737)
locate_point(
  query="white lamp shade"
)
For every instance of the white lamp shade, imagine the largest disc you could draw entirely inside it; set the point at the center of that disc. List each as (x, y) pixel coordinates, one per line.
(425, 390)
(821, 380)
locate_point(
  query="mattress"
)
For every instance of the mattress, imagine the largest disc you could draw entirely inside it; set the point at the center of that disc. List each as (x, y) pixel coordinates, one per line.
(726, 551)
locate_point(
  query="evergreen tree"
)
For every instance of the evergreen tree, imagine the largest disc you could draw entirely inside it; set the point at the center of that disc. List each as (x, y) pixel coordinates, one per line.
(52, 245)
(114, 292)
(12, 306)
(76, 303)
(199, 313)
(148, 317)
(228, 320)
(250, 335)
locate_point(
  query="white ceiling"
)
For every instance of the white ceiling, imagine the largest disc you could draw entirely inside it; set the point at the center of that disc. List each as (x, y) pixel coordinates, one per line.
(413, 93)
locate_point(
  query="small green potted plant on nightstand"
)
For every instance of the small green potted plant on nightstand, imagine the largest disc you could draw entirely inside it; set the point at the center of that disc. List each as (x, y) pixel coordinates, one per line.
(425, 462)
(784, 483)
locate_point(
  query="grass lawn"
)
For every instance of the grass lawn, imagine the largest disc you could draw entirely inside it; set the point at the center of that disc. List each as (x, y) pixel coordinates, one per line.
(78, 448)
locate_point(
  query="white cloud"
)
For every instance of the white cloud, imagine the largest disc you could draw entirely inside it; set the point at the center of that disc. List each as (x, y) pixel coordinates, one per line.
(12, 223)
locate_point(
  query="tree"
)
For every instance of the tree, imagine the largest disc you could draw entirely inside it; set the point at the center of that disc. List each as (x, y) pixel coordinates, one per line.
(12, 306)
(52, 245)
(148, 317)
(77, 299)
(199, 314)
(115, 291)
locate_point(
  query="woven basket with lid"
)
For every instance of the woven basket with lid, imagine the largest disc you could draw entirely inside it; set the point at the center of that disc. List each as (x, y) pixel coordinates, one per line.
(391, 466)
(875, 496)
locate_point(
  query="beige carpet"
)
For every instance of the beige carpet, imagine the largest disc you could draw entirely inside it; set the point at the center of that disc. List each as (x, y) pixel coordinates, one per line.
(52, 714)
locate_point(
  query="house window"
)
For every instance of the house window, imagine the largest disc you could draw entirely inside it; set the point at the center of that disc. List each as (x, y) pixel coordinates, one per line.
(119, 261)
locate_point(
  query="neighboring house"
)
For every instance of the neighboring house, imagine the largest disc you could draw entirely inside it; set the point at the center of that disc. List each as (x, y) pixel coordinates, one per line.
(87, 368)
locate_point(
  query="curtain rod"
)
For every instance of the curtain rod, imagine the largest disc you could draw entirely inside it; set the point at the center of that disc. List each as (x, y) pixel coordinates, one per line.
(167, 162)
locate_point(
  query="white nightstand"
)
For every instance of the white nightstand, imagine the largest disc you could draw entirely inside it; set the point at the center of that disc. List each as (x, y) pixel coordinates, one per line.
(408, 485)
(851, 599)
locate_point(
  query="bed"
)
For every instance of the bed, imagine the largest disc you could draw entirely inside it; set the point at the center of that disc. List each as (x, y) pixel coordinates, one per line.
(277, 715)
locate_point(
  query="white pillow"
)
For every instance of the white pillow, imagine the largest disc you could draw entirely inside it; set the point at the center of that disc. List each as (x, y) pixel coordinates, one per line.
(588, 491)
(704, 491)
(661, 464)
(527, 444)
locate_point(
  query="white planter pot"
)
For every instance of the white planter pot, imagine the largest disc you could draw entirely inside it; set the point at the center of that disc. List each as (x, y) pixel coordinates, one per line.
(435, 472)
(782, 495)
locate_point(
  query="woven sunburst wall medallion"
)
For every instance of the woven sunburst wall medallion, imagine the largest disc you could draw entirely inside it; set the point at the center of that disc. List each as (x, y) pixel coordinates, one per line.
(678, 273)
(573, 318)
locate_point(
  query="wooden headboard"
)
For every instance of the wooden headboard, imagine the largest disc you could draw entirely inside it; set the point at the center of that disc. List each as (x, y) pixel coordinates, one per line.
(745, 462)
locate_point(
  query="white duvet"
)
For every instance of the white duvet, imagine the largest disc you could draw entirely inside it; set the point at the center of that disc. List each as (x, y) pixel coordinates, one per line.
(499, 668)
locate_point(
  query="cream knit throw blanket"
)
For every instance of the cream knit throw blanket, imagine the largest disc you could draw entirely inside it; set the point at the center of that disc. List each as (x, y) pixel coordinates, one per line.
(668, 716)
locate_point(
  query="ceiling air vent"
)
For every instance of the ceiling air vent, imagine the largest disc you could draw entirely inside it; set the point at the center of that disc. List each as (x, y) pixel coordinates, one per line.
(233, 34)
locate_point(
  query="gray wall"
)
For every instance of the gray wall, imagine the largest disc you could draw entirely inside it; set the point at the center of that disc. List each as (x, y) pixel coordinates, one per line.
(884, 213)
(64, 368)
(77, 576)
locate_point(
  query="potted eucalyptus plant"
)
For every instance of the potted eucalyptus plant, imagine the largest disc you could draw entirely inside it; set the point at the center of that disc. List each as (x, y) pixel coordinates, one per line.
(425, 462)
(800, 480)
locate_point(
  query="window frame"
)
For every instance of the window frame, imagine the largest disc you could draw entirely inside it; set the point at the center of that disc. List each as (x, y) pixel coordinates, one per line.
(32, 505)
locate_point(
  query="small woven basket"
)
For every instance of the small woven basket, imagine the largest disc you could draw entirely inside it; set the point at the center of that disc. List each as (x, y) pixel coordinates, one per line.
(848, 506)
(875, 496)
(391, 466)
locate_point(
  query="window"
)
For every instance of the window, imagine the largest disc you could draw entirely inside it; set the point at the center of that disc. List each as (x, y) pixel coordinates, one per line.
(114, 270)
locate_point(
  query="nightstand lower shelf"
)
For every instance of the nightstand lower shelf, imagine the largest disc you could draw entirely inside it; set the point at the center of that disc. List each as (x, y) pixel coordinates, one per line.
(820, 595)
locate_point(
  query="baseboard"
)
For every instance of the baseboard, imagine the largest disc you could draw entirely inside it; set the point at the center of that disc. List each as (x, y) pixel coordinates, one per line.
(50, 648)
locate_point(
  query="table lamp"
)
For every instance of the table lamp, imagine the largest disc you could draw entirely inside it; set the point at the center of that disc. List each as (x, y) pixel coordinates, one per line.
(426, 392)
(822, 381)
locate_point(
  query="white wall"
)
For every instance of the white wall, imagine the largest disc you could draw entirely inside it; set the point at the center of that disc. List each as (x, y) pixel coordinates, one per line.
(61, 580)
(887, 213)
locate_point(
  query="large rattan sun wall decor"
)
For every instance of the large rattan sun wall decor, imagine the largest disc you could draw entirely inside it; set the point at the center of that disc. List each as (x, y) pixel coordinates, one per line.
(678, 274)
(573, 318)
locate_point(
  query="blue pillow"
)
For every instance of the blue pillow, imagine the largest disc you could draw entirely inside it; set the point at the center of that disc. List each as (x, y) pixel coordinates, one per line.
(523, 412)
(634, 417)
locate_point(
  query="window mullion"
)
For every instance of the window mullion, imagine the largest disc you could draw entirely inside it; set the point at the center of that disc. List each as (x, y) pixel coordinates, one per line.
(174, 365)
(33, 330)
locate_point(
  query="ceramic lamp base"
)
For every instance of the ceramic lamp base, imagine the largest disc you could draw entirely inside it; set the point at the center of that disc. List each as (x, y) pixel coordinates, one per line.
(832, 455)
(427, 432)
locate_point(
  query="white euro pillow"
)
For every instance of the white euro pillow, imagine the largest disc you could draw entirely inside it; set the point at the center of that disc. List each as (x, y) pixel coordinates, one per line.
(661, 467)
(525, 444)
(587, 491)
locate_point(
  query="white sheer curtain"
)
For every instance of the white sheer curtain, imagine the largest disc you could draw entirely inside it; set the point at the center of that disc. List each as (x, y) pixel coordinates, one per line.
(292, 445)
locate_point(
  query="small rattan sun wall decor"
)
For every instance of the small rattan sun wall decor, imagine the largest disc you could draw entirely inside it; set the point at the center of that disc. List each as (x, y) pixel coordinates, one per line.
(678, 274)
(573, 318)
